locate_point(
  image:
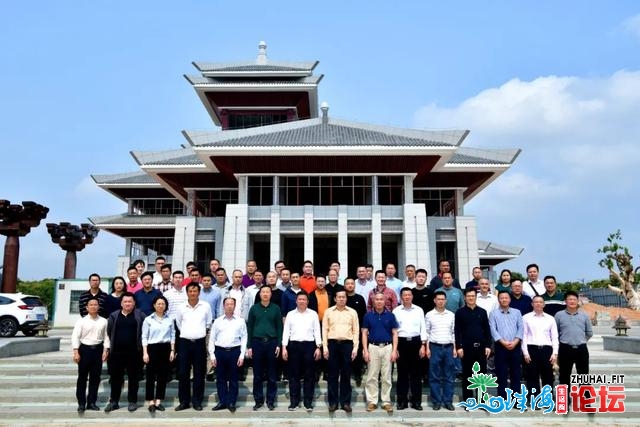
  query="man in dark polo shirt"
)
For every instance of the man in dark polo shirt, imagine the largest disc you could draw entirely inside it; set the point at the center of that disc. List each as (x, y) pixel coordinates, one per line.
(144, 297)
(519, 300)
(264, 329)
(93, 292)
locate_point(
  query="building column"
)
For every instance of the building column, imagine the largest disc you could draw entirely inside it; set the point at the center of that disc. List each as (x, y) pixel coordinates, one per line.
(416, 236)
(376, 237)
(276, 192)
(274, 250)
(466, 247)
(243, 189)
(343, 239)
(184, 242)
(236, 237)
(459, 195)
(308, 232)
(191, 203)
(374, 190)
(408, 189)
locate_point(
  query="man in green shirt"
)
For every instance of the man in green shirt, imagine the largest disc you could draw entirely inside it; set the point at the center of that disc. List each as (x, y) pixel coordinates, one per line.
(264, 330)
(553, 298)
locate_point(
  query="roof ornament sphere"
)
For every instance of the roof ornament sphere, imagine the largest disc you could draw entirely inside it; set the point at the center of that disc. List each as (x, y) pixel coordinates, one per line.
(262, 53)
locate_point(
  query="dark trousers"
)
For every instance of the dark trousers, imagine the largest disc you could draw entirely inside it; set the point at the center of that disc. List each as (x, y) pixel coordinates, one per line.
(339, 370)
(408, 371)
(301, 367)
(157, 370)
(227, 374)
(442, 371)
(568, 356)
(90, 365)
(264, 361)
(508, 368)
(472, 353)
(125, 360)
(540, 368)
(193, 354)
(357, 366)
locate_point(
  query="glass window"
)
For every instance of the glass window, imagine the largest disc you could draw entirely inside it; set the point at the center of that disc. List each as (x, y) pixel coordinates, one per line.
(74, 308)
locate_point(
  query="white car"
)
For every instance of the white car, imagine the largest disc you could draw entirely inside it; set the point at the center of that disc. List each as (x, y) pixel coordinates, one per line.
(19, 312)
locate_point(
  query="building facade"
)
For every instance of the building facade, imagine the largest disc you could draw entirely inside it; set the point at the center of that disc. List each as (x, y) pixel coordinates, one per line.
(283, 179)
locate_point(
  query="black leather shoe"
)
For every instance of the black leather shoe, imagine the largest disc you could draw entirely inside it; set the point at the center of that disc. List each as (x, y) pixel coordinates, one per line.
(401, 406)
(416, 406)
(292, 407)
(182, 407)
(258, 405)
(347, 408)
(92, 407)
(152, 408)
(232, 408)
(159, 407)
(436, 407)
(111, 407)
(132, 407)
(449, 406)
(219, 407)
(271, 406)
(197, 407)
(332, 408)
(81, 409)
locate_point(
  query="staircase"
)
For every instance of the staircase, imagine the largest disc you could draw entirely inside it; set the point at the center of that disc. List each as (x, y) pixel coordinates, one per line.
(40, 388)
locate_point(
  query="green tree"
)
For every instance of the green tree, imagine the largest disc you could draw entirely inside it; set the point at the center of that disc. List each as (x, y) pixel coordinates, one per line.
(518, 276)
(617, 259)
(44, 288)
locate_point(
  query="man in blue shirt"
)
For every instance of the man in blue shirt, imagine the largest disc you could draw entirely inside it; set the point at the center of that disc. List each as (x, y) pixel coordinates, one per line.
(519, 300)
(455, 299)
(507, 331)
(144, 297)
(211, 295)
(379, 350)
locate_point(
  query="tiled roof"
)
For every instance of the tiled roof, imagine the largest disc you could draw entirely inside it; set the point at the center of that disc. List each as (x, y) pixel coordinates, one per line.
(313, 133)
(488, 249)
(184, 156)
(214, 81)
(124, 220)
(475, 156)
(253, 67)
(137, 177)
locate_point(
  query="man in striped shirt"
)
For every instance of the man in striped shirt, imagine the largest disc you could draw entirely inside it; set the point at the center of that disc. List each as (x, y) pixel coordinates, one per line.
(507, 332)
(441, 352)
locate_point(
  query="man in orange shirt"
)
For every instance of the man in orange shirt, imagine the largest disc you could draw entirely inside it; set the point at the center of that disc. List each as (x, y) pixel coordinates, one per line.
(307, 280)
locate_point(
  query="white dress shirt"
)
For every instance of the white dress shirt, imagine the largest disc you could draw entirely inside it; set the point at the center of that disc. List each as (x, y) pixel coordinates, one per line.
(175, 299)
(301, 326)
(489, 302)
(527, 288)
(411, 322)
(364, 288)
(539, 329)
(228, 332)
(193, 321)
(90, 331)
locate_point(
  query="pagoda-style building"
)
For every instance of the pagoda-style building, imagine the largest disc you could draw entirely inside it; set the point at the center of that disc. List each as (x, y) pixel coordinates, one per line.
(283, 179)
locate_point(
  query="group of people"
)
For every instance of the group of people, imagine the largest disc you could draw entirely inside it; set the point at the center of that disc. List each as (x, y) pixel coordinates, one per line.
(304, 325)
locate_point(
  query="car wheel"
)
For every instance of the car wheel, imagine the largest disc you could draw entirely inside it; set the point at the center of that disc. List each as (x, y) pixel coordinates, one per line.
(30, 333)
(8, 327)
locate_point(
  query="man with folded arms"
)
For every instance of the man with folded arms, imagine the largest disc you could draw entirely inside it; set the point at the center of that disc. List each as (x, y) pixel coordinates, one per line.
(227, 345)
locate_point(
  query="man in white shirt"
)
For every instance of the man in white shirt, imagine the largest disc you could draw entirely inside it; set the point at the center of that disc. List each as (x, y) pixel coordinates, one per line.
(90, 344)
(410, 276)
(441, 352)
(192, 319)
(157, 275)
(364, 286)
(412, 336)
(533, 285)
(175, 295)
(539, 346)
(301, 343)
(227, 345)
(486, 299)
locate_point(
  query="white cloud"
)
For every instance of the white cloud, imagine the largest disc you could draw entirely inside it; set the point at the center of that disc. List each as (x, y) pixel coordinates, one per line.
(580, 138)
(631, 25)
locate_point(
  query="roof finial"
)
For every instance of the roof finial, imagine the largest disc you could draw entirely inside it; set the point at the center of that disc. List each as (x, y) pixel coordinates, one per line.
(325, 112)
(262, 53)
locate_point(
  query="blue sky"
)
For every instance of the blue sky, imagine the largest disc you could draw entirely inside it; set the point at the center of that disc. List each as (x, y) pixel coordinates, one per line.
(83, 83)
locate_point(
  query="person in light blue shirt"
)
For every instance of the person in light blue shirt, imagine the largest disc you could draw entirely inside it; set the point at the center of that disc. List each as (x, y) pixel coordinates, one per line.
(392, 281)
(210, 294)
(158, 351)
